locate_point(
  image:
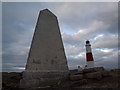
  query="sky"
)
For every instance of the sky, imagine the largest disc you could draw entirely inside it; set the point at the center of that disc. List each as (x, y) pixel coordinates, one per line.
(78, 22)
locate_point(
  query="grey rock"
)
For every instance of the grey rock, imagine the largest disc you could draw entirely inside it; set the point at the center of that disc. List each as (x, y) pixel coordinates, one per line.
(88, 70)
(79, 82)
(76, 77)
(105, 73)
(96, 69)
(93, 75)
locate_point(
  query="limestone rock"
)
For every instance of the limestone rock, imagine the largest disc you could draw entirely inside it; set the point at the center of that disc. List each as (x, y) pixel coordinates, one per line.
(88, 70)
(79, 82)
(105, 73)
(76, 77)
(27, 83)
(93, 75)
(96, 69)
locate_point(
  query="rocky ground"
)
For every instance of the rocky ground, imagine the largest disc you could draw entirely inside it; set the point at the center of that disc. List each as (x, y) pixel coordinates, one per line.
(85, 79)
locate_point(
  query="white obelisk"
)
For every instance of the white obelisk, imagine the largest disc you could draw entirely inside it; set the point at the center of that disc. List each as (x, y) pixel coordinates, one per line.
(46, 61)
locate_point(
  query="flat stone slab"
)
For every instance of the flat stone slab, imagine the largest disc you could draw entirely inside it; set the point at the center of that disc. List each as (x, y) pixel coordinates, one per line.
(99, 69)
(95, 69)
(38, 79)
(79, 82)
(88, 70)
(76, 77)
(27, 83)
(93, 75)
(105, 73)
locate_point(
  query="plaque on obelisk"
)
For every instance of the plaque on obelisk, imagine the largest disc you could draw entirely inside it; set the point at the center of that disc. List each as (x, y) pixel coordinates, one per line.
(46, 62)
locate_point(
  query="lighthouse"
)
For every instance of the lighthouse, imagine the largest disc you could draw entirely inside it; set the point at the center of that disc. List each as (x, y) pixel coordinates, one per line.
(89, 56)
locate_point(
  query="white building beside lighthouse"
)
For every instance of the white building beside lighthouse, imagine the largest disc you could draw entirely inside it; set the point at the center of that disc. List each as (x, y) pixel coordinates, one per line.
(89, 56)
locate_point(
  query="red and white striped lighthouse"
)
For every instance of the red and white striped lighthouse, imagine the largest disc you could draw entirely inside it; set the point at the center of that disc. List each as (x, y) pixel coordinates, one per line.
(89, 56)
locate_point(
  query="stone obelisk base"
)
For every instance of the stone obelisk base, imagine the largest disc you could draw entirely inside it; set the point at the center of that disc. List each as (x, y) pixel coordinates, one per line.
(41, 79)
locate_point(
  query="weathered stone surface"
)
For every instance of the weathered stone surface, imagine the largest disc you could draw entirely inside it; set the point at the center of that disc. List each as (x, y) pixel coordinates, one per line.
(39, 75)
(93, 75)
(77, 73)
(105, 73)
(98, 69)
(76, 77)
(88, 70)
(29, 83)
(47, 51)
(46, 59)
(95, 69)
(79, 82)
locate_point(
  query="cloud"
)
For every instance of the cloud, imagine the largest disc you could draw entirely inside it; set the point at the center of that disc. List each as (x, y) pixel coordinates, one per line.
(10, 62)
(77, 16)
(101, 58)
(83, 34)
(106, 41)
(78, 22)
(110, 61)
